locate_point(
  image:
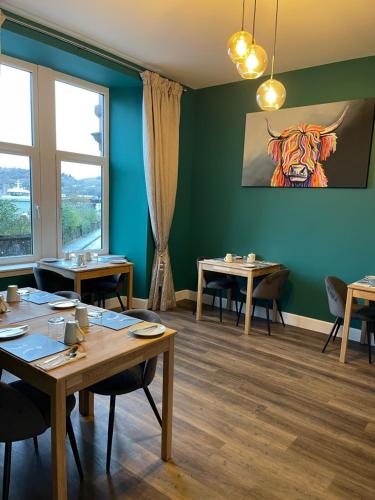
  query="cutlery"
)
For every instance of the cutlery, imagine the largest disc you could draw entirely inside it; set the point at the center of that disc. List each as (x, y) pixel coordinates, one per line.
(67, 354)
(63, 359)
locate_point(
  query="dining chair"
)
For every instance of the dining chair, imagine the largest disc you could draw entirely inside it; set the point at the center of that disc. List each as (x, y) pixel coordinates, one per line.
(67, 294)
(137, 377)
(336, 293)
(269, 289)
(49, 281)
(25, 414)
(218, 282)
(107, 285)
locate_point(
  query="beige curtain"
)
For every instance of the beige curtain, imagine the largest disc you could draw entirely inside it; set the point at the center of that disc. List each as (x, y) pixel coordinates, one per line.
(161, 124)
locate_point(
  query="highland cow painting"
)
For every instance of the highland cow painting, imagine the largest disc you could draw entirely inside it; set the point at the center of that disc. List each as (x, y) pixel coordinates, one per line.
(320, 146)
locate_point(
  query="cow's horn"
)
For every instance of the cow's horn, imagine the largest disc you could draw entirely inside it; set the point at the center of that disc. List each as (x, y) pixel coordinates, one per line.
(273, 134)
(336, 124)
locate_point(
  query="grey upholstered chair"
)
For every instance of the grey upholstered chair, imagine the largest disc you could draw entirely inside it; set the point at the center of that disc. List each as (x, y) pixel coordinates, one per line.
(108, 285)
(25, 414)
(49, 281)
(137, 377)
(69, 294)
(268, 290)
(218, 282)
(336, 293)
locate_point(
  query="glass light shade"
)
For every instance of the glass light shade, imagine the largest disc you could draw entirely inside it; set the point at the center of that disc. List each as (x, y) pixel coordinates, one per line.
(271, 95)
(239, 46)
(255, 64)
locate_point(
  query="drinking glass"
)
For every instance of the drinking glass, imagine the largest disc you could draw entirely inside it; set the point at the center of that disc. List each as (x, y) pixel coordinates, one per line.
(56, 327)
(96, 315)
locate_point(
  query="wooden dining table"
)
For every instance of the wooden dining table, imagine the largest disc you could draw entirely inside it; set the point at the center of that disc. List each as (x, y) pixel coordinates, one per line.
(92, 269)
(356, 290)
(107, 352)
(236, 268)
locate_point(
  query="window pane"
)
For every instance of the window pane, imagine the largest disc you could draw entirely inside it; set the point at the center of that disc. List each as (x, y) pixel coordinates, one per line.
(81, 206)
(15, 206)
(16, 106)
(79, 120)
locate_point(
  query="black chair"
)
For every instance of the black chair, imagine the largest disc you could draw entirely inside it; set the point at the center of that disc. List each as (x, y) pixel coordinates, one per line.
(336, 293)
(137, 377)
(268, 290)
(108, 285)
(49, 281)
(218, 282)
(25, 414)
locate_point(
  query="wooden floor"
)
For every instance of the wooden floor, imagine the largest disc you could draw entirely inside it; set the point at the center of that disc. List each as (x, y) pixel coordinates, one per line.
(255, 417)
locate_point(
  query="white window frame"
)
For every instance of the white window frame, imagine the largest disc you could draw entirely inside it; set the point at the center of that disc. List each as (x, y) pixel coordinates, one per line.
(46, 196)
(33, 153)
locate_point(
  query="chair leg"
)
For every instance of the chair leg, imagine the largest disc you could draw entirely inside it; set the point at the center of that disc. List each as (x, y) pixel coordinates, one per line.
(152, 404)
(253, 311)
(331, 333)
(36, 445)
(7, 465)
(73, 444)
(221, 306)
(268, 318)
(339, 323)
(111, 421)
(119, 299)
(279, 311)
(213, 300)
(239, 311)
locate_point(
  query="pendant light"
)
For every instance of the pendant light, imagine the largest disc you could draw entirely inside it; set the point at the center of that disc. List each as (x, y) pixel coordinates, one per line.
(239, 43)
(256, 62)
(271, 94)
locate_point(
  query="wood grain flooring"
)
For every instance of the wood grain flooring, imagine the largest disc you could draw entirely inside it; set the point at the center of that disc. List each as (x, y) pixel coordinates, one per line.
(254, 417)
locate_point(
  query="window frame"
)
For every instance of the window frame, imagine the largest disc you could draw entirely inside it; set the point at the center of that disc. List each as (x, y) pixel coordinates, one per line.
(33, 153)
(46, 207)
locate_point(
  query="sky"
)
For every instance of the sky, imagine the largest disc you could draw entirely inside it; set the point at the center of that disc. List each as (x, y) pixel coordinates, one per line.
(75, 120)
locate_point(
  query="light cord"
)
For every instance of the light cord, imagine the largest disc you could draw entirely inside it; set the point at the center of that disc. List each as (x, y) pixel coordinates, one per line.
(243, 15)
(274, 38)
(254, 16)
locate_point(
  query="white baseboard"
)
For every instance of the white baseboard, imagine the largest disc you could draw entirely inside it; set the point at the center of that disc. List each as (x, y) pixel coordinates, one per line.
(113, 303)
(313, 324)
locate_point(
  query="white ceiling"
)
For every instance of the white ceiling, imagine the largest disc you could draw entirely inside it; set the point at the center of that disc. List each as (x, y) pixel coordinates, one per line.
(186, 39)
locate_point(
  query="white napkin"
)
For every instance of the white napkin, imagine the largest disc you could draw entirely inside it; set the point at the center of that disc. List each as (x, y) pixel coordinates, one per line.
(61, 361)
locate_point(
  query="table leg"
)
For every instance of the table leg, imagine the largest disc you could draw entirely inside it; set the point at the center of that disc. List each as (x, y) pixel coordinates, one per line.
(129, 300)
(345, 331)
(229, 299)
(364, 327)
(77, 283)
(166, 432)
(58, 441)
(249, 300)
(199, 293)
(86, 403)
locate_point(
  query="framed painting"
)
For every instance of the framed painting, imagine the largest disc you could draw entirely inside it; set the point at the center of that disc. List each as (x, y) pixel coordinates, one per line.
(319, 146)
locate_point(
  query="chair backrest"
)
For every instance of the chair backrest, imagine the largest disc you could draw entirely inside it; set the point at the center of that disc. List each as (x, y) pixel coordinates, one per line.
(19, 417)
(336, 293)
(209, 276)
(272, 286)
(69, 294)
(150, 364)
(49, 281)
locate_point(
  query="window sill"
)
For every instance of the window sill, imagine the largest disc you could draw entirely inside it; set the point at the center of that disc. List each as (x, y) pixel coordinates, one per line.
(16, 269)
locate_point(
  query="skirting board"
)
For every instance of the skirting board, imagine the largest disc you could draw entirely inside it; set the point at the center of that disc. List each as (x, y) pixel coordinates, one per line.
(315, 325)
(113, 303)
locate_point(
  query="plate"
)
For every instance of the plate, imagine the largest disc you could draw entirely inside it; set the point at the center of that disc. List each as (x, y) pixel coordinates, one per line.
(118, 261)
(142, 332)
(13, 332)
(63, 304)
(248, 265)
(50, 259)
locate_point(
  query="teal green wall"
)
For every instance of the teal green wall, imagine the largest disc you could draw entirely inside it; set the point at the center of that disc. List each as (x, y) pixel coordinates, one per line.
(314, 232)
(129, 224)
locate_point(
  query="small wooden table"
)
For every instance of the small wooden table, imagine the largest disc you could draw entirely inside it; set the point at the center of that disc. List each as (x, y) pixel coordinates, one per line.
(355, 291)
(238, 268)
(108, 352)
(92, 269)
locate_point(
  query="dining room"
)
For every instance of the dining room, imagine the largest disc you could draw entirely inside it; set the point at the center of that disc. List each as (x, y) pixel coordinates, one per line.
(187, 277)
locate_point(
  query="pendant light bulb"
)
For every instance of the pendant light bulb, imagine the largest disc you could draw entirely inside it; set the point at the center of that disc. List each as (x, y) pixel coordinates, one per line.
(239, 46)
(255, 64)
(271, 95)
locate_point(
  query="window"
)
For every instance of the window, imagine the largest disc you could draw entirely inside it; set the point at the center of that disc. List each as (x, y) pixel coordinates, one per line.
(53, 163)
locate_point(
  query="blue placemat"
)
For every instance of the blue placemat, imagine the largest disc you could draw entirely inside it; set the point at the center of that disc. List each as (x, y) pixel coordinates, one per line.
(41, 297)
(32, 347)
(115, 321)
